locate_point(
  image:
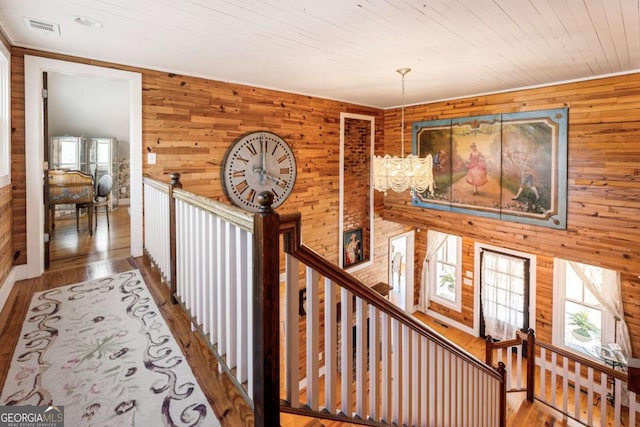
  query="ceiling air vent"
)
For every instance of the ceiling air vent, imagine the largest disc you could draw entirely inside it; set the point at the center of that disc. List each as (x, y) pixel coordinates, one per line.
(42, 27)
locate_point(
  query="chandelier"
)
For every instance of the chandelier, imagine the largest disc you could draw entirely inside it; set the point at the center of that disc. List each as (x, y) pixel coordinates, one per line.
(403, 173)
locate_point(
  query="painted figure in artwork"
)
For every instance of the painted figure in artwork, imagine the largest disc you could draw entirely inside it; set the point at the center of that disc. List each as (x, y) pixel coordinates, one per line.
(439, 162)
(353, 250)
(521, 161)
(476, 169)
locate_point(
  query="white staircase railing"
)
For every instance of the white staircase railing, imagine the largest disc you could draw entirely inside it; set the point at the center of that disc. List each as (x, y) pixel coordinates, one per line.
(378, 366)
(582, 389)
(156, 225)
(214, 256)
(363, 360)
(213, 270)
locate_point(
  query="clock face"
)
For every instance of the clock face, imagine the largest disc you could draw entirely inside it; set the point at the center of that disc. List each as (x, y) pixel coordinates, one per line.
(256, 162)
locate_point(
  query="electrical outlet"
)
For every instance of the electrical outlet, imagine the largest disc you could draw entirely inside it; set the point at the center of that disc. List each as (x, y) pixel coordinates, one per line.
(151, 158)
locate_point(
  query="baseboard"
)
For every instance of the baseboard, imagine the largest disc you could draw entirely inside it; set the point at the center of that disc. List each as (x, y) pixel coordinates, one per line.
(450, 322)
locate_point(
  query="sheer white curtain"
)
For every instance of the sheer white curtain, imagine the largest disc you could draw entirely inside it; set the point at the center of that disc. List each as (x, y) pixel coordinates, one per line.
(435, 239)
(503, 315)
(609, 296)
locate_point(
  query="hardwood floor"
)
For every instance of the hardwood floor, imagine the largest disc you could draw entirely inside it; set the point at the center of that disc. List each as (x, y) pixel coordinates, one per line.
(72, 247)
(77, 257)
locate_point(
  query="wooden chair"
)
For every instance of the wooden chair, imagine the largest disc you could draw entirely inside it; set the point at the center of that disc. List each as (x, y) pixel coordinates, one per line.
(103, 196)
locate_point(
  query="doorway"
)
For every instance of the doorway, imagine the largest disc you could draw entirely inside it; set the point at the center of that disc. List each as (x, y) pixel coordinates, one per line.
(34, 145)
(506, 291)
(401, 270)
(87, 129)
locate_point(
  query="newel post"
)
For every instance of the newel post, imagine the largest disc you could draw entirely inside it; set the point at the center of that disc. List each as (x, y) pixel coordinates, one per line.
(531, 364)
(173, 184)
(503, 395)
(488, 350)
(266, 314)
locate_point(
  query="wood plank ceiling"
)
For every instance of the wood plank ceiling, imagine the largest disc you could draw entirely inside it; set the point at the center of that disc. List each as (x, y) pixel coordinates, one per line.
(348, 50)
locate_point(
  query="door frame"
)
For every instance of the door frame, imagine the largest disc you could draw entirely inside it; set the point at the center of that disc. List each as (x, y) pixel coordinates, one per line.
(478, 247)
(409, 304)
(34, 66)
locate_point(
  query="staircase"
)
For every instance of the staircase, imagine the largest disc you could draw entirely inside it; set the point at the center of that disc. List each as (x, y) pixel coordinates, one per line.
(379, 365)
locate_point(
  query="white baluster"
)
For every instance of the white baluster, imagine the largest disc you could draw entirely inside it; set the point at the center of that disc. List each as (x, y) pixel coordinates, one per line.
(374, 363)
(424, 385)
(231, 285)
(554, 367)
(603, 400)
(346, 351)
(242, 303)
(519, 367)
(396, 370)
(416, 390)
(617, 404)
(187, 259)
(292, 333)
(386, 380)
(590, 396)
(181, 249)
(633, 407)
(221, 288)
(543, 375)
(407, 375)
(313, 329)
(330, 345)
(199, 268)
(361, 357)
(249, 311)
(431, 384)
(206, 271)
(214, 281)
(576, 390)
(565, 384)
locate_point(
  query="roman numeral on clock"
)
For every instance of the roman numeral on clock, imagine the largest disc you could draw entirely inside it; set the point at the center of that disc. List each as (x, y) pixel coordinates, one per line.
(242, 187)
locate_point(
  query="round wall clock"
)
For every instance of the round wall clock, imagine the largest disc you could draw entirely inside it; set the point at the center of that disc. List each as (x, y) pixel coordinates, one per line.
(255, 162)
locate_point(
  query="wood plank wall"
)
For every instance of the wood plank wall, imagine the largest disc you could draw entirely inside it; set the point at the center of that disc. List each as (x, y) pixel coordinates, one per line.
(6, 242)
(190, 122)
(603, 226)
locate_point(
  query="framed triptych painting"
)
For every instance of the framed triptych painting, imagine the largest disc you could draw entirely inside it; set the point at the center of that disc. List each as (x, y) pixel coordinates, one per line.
(511, 167)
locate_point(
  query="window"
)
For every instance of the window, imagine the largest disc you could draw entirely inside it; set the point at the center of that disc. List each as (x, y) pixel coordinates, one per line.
(5, 116)
(445, 270)
(580, 322)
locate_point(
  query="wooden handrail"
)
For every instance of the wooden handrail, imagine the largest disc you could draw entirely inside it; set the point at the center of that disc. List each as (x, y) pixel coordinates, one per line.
(584, 361)
(162, 186)
(290, 228)
(490, 345)
(232, 214)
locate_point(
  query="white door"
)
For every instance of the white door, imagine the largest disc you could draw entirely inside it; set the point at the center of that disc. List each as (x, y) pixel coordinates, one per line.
(401, 270)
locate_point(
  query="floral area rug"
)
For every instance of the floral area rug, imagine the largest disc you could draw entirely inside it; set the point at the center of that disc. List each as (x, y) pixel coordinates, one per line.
(102, 350)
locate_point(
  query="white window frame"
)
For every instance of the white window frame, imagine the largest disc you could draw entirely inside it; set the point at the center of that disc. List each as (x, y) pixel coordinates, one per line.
(433, 284)
(607, 332)
(5, 116)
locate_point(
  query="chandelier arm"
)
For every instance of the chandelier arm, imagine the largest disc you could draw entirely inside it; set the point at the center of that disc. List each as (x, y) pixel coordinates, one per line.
(402, 116)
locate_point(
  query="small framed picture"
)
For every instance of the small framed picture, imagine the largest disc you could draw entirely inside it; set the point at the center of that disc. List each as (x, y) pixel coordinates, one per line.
(352, 247)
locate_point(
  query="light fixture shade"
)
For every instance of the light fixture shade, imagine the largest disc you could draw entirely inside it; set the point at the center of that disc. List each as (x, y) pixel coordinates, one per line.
(403, 173)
